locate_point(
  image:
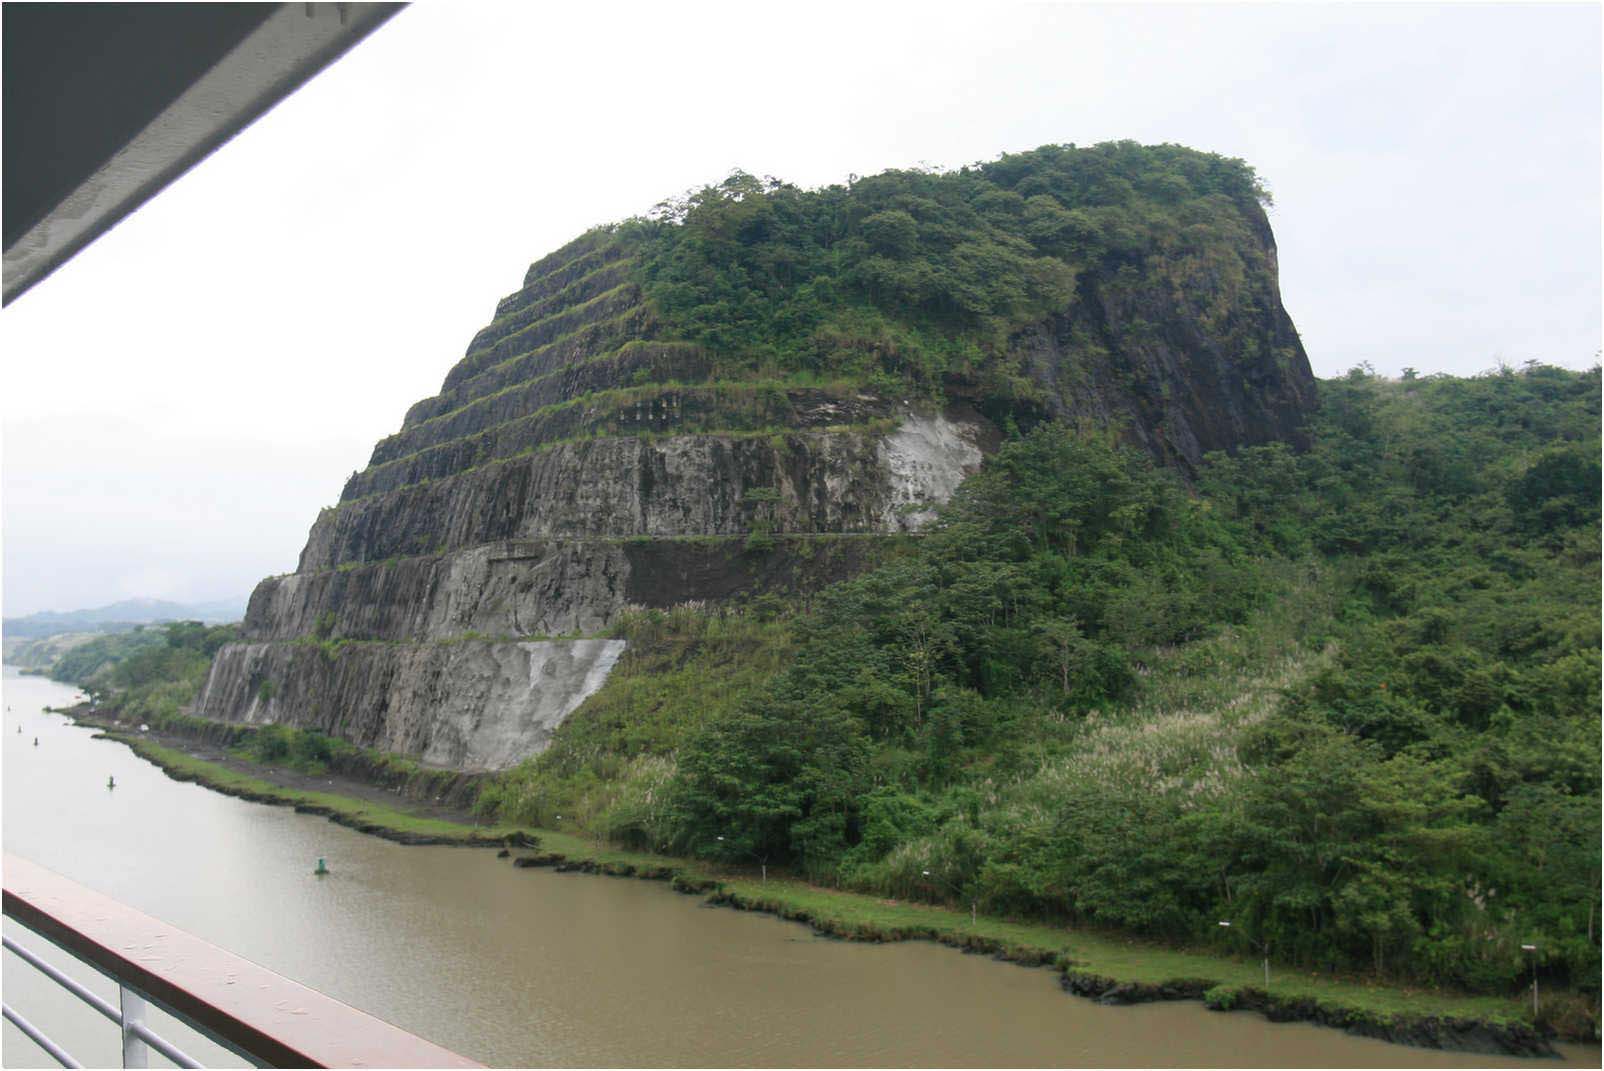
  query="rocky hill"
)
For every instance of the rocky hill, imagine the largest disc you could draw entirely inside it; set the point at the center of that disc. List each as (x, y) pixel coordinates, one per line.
(755, 392)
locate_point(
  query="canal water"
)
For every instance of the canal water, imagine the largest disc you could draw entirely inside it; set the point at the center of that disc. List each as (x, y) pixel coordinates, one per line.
(531, 968)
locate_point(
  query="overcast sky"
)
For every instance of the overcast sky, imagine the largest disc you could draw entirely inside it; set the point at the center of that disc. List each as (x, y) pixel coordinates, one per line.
(180, 399)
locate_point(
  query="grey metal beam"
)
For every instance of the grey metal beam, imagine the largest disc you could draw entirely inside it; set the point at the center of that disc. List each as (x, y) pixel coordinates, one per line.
(285, 49)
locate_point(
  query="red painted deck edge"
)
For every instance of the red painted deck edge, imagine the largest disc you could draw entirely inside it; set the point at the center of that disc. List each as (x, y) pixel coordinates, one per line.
(276, 1020)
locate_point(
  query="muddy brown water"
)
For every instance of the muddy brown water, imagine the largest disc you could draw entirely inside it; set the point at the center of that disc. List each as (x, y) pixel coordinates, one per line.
(529, 967)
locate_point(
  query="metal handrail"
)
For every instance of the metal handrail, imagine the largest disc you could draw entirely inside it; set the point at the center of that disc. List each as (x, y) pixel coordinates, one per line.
(37, 1036)
(129, 1019)
(257, 1014)
(70, 985)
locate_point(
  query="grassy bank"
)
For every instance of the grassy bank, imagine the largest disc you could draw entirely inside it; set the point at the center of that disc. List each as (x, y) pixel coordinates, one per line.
(1106, 967)
(367, 816)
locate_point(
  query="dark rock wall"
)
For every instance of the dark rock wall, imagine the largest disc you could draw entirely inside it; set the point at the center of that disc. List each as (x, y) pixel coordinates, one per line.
(1185, 361)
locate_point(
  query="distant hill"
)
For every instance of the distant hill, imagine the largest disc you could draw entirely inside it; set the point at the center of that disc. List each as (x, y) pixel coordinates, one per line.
(38, 654)
(119, 616)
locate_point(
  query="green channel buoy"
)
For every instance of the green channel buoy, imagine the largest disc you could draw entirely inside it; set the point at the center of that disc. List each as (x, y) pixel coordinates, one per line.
(36, 741)
(322, 867)
(111, 782)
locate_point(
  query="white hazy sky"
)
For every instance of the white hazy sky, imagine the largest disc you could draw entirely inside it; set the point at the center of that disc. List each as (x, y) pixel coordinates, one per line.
(180, 399)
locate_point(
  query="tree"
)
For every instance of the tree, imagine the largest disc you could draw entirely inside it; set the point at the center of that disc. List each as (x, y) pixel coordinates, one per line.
(775, 781)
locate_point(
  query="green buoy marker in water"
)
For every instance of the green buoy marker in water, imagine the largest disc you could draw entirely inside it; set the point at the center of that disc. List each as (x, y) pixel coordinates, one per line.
(111, 782)
(322, 867)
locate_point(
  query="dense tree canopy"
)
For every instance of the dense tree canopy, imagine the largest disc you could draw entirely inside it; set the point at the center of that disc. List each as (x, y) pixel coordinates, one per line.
(1347, 699)
(908, 276)
(155, 670)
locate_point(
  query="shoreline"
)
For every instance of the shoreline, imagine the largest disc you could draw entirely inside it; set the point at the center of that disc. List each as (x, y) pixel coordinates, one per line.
(342, 800)
(1108, 970)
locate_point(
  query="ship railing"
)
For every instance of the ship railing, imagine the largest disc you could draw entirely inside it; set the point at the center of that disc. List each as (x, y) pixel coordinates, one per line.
(262, 1017)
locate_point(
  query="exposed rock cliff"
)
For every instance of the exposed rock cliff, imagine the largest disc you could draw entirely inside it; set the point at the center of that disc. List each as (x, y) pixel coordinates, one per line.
(592, 451)
(471, 705)
(1185, 360)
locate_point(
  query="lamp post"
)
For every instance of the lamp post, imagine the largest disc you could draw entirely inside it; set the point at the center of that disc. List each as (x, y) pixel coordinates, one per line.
(973, 906)
(1264, 948)
(762, 860)
(1531, 951)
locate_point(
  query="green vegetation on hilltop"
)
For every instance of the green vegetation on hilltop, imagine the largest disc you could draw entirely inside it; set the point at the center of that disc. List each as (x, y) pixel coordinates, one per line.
(1347, 700)
(1060, 280)
(907, 277)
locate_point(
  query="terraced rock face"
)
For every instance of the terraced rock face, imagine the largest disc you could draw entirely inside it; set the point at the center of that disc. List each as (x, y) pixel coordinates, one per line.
(581, 459)
(573, 464)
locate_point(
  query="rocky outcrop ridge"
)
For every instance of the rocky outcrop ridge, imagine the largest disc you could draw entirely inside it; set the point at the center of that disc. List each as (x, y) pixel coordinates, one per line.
(574, 464)
(719, 484)
(1184, 361)
(580, 460)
